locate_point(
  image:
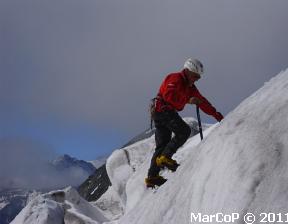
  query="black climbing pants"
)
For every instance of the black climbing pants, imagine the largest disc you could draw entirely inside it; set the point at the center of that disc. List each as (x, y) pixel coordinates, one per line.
(166, 123)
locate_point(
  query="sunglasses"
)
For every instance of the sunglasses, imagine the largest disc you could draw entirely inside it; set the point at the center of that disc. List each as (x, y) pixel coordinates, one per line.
(196, 75)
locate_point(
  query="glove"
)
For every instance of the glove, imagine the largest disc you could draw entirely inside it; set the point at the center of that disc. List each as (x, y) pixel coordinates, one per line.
(195, 100)
(218, 116)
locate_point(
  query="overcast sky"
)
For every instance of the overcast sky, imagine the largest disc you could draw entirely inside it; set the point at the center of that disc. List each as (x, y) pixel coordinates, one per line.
(78, 75)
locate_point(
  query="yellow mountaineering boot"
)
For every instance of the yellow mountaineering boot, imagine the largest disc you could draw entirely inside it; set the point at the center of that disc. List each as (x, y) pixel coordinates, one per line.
(164, 161)
(155, 181)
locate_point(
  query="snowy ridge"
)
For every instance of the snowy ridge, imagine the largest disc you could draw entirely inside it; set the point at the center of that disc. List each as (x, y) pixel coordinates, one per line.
(64, 206)
(98, 162)
(12, 201)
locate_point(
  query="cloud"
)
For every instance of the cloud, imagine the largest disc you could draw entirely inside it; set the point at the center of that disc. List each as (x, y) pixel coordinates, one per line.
(100, 62)
(26, 163)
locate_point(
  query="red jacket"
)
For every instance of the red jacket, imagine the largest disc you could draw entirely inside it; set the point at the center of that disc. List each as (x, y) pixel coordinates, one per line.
(175, 92)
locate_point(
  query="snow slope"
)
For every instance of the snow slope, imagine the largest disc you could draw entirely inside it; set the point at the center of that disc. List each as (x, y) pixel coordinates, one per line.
(241, 166)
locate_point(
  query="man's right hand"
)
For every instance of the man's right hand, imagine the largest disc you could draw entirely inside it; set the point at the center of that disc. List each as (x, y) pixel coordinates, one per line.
(194, 100)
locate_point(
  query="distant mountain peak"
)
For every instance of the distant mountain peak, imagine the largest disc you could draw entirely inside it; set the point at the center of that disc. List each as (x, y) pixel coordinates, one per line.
(65, 162)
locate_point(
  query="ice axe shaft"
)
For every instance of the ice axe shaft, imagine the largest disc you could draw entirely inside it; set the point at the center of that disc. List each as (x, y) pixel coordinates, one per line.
(199, 122)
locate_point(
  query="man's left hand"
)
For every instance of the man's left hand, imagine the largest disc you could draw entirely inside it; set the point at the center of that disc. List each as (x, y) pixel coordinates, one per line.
(195, 100)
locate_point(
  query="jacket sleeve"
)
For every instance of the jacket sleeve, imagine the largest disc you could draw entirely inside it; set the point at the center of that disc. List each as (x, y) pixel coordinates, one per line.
(205, 105)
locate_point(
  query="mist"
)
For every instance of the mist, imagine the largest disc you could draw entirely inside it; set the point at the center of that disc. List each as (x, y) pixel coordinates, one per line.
(26, 164)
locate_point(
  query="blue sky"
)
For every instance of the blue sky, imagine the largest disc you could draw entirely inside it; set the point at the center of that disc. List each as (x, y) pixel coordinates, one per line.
(78, 75)
(80, 140)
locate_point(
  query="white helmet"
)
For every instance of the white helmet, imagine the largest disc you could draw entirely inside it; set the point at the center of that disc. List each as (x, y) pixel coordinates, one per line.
(194, 65)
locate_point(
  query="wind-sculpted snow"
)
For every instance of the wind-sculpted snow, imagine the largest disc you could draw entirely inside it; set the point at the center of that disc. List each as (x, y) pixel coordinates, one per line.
(241, 166)
(58, 207)
(110, 204)
(123, 163)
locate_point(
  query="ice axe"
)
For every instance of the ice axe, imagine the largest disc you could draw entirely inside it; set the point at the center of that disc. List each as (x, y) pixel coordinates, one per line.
(199, 122)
